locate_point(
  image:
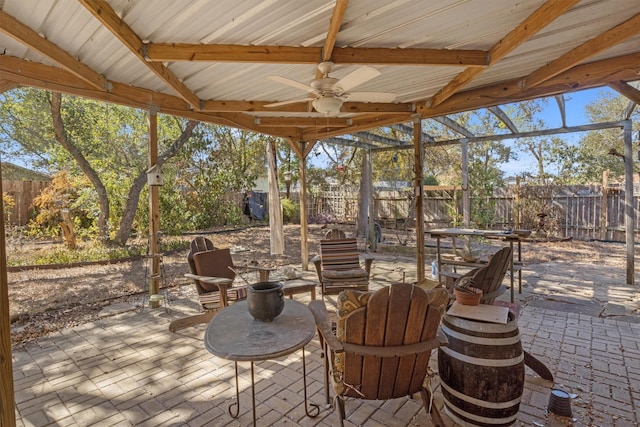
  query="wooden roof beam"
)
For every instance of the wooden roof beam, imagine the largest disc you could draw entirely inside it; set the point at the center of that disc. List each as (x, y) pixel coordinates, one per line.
(535, 22)
(303, 122)
(587, 50)
(6, 85)
(26, 36)
(26, 73)
(304, 107)
(334, 28)
(627, 90)
(593, 74)
(176, 52)
(359, 124)
(102, 11)
(332, 32)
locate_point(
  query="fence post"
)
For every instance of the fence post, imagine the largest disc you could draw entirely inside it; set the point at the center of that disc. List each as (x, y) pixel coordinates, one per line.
(604, 205)
(516, 211)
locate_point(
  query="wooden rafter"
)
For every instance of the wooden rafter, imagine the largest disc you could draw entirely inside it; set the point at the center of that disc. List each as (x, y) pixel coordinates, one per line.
(108, 17)
(381, 56)
(308, 147)
(302, 107)
(535, 22)
(26, 36)
(181, 52)
(304, 122)
(332, 32)
(6, 85)
(626, 89)
(173, 52)
(593, 74)
(587, 50)
(334, 28)
(359, 124)
(253, 106)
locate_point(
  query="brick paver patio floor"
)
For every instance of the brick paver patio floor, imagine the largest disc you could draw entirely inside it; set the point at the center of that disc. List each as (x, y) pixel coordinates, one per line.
(129, 370)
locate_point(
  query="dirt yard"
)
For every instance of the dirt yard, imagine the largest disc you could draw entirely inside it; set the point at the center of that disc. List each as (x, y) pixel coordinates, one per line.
(46, 300)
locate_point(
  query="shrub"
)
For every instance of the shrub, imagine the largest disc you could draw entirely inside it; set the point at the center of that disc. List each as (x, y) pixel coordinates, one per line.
(290, 211)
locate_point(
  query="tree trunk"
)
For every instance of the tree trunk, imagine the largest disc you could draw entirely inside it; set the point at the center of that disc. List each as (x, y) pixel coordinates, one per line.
(68, 229)
(131, 206)
(83, 163)
(124, 230)
(362, 221)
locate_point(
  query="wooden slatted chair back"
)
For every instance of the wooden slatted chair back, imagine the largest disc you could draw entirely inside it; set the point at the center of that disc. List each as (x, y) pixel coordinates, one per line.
(394, 316)
(198, 244)
(339, 254)
(335, 234)
(214, 263)
(489, 278)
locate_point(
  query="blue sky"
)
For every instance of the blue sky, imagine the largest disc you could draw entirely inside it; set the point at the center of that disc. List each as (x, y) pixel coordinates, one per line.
(575, 115)
(575, 103)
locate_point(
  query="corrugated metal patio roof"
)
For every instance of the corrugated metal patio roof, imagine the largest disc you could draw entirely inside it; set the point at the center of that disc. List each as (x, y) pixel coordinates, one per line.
(215, 61)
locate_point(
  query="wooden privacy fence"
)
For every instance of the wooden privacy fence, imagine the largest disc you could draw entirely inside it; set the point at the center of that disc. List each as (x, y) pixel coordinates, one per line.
(22, 193)
(582, 212)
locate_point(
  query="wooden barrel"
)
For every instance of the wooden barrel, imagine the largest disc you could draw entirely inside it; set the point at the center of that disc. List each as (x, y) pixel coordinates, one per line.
(481, 371)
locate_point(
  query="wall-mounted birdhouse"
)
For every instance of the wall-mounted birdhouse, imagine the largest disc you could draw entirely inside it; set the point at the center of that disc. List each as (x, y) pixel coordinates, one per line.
(154, 175)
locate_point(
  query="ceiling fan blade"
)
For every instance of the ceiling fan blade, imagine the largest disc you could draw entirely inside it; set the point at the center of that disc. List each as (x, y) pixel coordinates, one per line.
(292, 83)
(291, 101)
(369, 96)
(356, 78)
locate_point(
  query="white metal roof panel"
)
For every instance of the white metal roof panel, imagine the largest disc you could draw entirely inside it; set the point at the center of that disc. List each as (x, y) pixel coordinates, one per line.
(436, 24)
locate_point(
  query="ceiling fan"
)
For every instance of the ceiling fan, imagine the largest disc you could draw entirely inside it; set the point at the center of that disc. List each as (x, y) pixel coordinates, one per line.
(328, 93)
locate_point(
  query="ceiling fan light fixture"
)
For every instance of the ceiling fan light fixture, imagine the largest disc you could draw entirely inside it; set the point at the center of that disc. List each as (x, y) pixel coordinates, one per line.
(327, 105)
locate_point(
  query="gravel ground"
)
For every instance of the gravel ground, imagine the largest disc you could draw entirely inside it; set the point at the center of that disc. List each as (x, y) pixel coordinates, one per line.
(46, 300)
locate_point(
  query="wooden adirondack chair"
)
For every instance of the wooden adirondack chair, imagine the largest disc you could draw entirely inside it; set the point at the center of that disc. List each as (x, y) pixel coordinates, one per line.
(335, 233)
(382, 344)
(213, 273)
(489, 278)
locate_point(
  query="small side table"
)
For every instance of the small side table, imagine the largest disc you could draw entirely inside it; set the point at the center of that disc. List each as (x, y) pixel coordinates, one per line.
(233, 334)
(299, 286)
